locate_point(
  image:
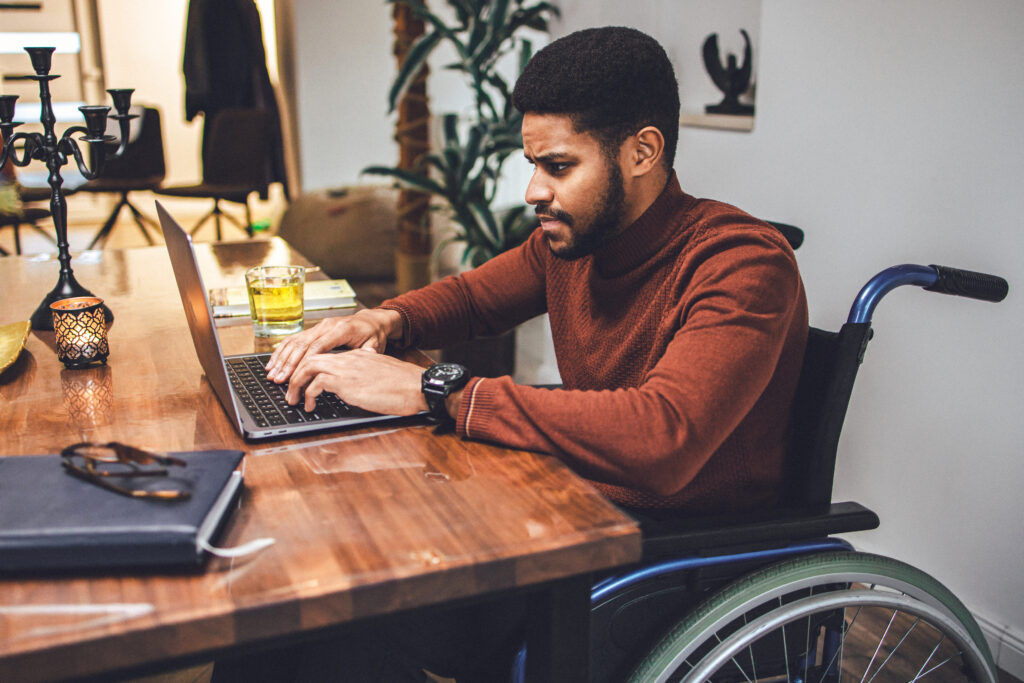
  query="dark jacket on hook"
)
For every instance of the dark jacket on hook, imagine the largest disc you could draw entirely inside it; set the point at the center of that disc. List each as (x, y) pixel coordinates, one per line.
(225, 66)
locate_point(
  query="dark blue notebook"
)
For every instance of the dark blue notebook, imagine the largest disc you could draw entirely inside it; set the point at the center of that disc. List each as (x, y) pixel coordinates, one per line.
(51, 520)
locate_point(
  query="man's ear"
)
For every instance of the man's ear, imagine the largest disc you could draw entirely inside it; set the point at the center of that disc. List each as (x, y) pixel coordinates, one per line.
(648, 146)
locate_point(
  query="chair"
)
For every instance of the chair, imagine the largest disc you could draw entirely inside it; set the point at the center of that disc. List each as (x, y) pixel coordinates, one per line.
(234, 159)
(141, 167)
(29, 216)
(771, 595)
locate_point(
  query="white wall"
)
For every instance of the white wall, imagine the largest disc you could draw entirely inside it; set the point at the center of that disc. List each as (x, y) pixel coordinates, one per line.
(344, 69)
(890, 133)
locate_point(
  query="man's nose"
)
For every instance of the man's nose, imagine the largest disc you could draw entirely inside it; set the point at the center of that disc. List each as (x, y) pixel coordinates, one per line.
(538, 191)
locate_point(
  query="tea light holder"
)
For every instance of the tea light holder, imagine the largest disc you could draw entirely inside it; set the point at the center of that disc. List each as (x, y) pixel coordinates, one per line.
(81, 332)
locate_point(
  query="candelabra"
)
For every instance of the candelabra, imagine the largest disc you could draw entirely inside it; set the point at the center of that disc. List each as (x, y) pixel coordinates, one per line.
(54, 152)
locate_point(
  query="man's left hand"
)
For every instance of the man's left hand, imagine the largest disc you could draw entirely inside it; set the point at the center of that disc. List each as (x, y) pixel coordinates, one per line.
(362, 378)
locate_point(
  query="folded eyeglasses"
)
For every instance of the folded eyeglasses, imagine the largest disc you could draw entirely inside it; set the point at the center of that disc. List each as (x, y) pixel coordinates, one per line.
(130, 471)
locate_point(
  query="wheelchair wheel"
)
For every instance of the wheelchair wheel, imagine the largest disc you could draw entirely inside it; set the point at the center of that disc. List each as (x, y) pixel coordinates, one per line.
(828, 617)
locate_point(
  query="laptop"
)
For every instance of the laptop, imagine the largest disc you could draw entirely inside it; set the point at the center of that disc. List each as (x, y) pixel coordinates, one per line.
(254, 404)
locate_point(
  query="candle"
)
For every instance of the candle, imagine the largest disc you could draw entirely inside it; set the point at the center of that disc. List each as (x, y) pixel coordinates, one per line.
(80, 330)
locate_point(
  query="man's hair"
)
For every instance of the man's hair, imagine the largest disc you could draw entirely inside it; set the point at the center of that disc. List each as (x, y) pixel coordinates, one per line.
(610, 81)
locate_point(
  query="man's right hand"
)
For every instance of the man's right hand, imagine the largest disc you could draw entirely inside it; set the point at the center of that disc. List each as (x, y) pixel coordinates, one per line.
(367, 329)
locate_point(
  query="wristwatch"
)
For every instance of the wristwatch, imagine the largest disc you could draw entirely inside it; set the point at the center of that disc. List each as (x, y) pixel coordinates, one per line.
(440, 381)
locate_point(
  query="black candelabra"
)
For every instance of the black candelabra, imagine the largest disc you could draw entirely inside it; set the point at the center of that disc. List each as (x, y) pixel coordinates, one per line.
(54, 152)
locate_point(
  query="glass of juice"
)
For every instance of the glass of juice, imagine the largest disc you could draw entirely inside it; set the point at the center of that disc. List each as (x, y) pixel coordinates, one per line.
(275, 299)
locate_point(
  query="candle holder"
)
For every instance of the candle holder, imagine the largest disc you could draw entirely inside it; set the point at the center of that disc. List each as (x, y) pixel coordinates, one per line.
(54, 152)
(81, 331)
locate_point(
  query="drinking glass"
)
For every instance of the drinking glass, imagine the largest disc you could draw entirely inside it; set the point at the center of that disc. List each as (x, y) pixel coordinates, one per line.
(275, 299)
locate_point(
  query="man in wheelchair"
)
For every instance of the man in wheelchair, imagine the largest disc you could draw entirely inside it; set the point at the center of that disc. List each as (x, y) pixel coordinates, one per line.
(679, 324)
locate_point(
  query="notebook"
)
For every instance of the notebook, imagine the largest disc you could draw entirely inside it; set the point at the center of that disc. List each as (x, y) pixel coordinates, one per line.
(255, 405)
(52, 520)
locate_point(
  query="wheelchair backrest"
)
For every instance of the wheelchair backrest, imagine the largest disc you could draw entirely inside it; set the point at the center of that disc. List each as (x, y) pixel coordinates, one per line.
(819, 408)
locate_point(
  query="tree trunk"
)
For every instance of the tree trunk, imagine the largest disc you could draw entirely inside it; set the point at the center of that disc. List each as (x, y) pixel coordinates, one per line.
(412, 259)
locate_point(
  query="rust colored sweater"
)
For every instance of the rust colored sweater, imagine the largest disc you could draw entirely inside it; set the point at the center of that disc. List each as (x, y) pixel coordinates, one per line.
(679, 346)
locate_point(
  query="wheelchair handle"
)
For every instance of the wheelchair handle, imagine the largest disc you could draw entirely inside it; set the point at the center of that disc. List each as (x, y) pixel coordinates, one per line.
(933, 279)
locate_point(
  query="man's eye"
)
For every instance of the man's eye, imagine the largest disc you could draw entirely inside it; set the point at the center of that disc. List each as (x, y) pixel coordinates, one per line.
(558, 168)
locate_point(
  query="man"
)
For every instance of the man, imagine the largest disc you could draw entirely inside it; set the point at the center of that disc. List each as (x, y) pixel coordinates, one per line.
(679, 325)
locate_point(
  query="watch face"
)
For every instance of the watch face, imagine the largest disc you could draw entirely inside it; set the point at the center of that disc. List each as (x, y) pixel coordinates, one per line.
(446, 372)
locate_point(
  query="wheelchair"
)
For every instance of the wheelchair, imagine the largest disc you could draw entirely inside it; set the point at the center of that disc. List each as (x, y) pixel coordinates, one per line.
(774, 595)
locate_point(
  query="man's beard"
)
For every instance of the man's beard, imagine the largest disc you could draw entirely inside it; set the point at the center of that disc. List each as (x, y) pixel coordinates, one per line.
(602, 228)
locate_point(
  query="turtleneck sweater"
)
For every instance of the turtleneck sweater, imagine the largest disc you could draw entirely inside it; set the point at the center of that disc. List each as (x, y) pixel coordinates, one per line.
(679, 345)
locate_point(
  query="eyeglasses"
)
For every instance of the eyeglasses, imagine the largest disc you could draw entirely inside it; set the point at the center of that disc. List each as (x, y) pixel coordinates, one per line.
(116, 467)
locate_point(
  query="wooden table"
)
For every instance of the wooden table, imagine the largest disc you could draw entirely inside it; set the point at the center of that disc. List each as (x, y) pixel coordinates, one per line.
(368, 522)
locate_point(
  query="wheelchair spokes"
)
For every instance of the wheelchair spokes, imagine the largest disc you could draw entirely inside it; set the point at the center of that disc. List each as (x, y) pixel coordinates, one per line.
(908, 649)
(827, 618)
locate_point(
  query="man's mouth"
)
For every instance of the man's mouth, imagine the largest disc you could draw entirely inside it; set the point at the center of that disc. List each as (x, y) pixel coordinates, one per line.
(551, 219)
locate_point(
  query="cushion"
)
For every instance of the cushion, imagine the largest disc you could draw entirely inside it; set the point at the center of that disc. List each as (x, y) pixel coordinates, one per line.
(349, 232)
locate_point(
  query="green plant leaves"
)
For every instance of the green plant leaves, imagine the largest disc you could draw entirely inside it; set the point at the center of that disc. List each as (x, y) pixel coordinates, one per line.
(465, 171)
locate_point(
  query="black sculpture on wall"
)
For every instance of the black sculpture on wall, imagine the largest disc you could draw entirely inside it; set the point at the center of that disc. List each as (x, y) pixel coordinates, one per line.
(731, 79)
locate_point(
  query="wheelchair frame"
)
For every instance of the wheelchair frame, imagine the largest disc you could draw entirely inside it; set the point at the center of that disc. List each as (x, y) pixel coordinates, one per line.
(794, 578)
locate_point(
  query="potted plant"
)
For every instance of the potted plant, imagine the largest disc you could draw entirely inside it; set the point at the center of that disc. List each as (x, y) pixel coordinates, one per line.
(464, 172)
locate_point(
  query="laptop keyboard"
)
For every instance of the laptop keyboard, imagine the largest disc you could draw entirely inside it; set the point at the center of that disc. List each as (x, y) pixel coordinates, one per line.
(265, 400)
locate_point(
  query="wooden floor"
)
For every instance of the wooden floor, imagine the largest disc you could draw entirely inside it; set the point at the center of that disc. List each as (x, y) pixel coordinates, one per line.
(88, 212)
(900, 644)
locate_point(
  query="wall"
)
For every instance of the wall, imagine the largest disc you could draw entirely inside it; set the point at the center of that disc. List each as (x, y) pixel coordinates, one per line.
(343, 69)
(890, 133)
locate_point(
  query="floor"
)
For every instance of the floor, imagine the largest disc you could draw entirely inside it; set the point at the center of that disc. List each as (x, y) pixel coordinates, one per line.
(88, 212)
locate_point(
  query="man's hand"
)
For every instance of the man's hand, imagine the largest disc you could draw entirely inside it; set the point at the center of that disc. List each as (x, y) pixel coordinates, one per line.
(368, 329)
(362, 378)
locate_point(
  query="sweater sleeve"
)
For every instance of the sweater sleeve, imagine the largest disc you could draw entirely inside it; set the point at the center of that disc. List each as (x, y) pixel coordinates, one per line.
(737, 308)
(487, 300)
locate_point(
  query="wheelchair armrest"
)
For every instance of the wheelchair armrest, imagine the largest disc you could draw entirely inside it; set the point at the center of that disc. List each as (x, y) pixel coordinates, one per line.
(701, 534)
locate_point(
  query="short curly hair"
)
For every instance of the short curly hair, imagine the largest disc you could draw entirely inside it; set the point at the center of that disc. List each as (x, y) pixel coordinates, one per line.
(610, 81)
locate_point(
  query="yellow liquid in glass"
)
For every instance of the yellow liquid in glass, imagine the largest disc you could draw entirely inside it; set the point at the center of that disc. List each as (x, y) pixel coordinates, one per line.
(276, 304)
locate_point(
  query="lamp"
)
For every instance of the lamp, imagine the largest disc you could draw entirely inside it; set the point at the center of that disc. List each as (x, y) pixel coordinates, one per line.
(54, 152)
(81, 331)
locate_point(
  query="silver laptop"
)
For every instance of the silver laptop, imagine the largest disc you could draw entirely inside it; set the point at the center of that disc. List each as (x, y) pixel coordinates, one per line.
(255, 404)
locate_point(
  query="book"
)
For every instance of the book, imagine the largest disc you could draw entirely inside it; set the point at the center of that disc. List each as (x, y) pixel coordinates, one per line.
(317, 295)
(50, 520)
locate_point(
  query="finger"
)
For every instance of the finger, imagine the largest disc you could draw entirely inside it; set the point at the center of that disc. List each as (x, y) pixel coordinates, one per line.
(297, 383)
(291, 346)
(287, 361)
(300, 347)
(313, 389)
(279, 352)
(306, 371)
